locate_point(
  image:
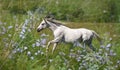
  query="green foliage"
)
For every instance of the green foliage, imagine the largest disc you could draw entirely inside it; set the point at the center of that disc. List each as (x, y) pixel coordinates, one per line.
(22, 48)
(77, 10)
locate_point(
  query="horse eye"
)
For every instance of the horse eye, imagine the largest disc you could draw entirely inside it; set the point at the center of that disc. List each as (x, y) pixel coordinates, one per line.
(42, 24)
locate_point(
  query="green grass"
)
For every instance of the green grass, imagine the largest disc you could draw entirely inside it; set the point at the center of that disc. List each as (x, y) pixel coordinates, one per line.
(77, 10)
(14, 56)
(21, 45)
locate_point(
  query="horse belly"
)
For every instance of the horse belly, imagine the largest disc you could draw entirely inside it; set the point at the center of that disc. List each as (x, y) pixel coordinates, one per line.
(71, 37)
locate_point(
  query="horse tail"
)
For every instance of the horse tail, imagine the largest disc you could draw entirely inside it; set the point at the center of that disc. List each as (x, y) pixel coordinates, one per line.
(97, 36)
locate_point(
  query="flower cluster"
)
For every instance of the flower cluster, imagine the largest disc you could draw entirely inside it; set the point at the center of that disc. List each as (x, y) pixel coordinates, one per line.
(22, 33)
(92, 60)
(24, 43)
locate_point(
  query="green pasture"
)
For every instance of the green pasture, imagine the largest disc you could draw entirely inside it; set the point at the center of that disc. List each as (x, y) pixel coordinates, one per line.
(24, 52)
(23, 48)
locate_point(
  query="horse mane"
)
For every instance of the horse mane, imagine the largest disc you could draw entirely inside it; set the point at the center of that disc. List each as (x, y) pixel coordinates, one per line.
(55, 22)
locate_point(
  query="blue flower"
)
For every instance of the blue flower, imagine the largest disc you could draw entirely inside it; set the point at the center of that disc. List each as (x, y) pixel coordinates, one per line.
(9, 27)
(118, 62)
(102, 46)
(36, 53)
(109, 45)
(32, 58)
(28, 53)
(50, 60)
(19, 49)
(110, 39)
(33, 45)
(43, 41)
(25, 48)
(78, 59)
(107, 48)
(42, 53)
(37, 44)
(43, 35)
(72, 55)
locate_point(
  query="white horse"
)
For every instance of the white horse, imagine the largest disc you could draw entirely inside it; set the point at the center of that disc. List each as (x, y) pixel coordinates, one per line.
(66, 34)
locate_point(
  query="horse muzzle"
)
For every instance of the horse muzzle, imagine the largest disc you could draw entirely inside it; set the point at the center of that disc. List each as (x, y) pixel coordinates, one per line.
(38, 30)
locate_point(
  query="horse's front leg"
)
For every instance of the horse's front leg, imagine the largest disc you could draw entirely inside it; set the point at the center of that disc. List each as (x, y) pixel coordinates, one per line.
(54, 47)
(55, 41)
(48, 46)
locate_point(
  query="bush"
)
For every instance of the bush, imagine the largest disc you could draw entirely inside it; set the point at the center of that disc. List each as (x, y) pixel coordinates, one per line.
(77, 10)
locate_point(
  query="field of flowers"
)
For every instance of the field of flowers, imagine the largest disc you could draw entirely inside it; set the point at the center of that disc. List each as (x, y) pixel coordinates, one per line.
(22, 48)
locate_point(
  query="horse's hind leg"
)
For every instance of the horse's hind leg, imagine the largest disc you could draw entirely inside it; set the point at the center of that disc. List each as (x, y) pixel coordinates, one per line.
(91, 47)
(84, 45)
(89, 42)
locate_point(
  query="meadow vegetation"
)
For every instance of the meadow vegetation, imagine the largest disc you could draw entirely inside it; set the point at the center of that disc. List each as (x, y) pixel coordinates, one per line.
(23, 48)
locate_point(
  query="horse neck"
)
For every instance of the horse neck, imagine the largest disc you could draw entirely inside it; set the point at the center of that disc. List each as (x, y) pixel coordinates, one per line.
(52, 26)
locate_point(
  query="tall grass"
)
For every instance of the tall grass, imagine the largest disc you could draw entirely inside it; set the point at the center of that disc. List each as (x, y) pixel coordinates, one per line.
(77, 10)
(22, 48)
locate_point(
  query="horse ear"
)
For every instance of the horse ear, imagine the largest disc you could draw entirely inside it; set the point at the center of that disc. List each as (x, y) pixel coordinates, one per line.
(50, 17)
(45, 20)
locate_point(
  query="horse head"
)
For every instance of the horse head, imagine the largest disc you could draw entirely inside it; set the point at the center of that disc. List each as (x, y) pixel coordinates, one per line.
(43, 24)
